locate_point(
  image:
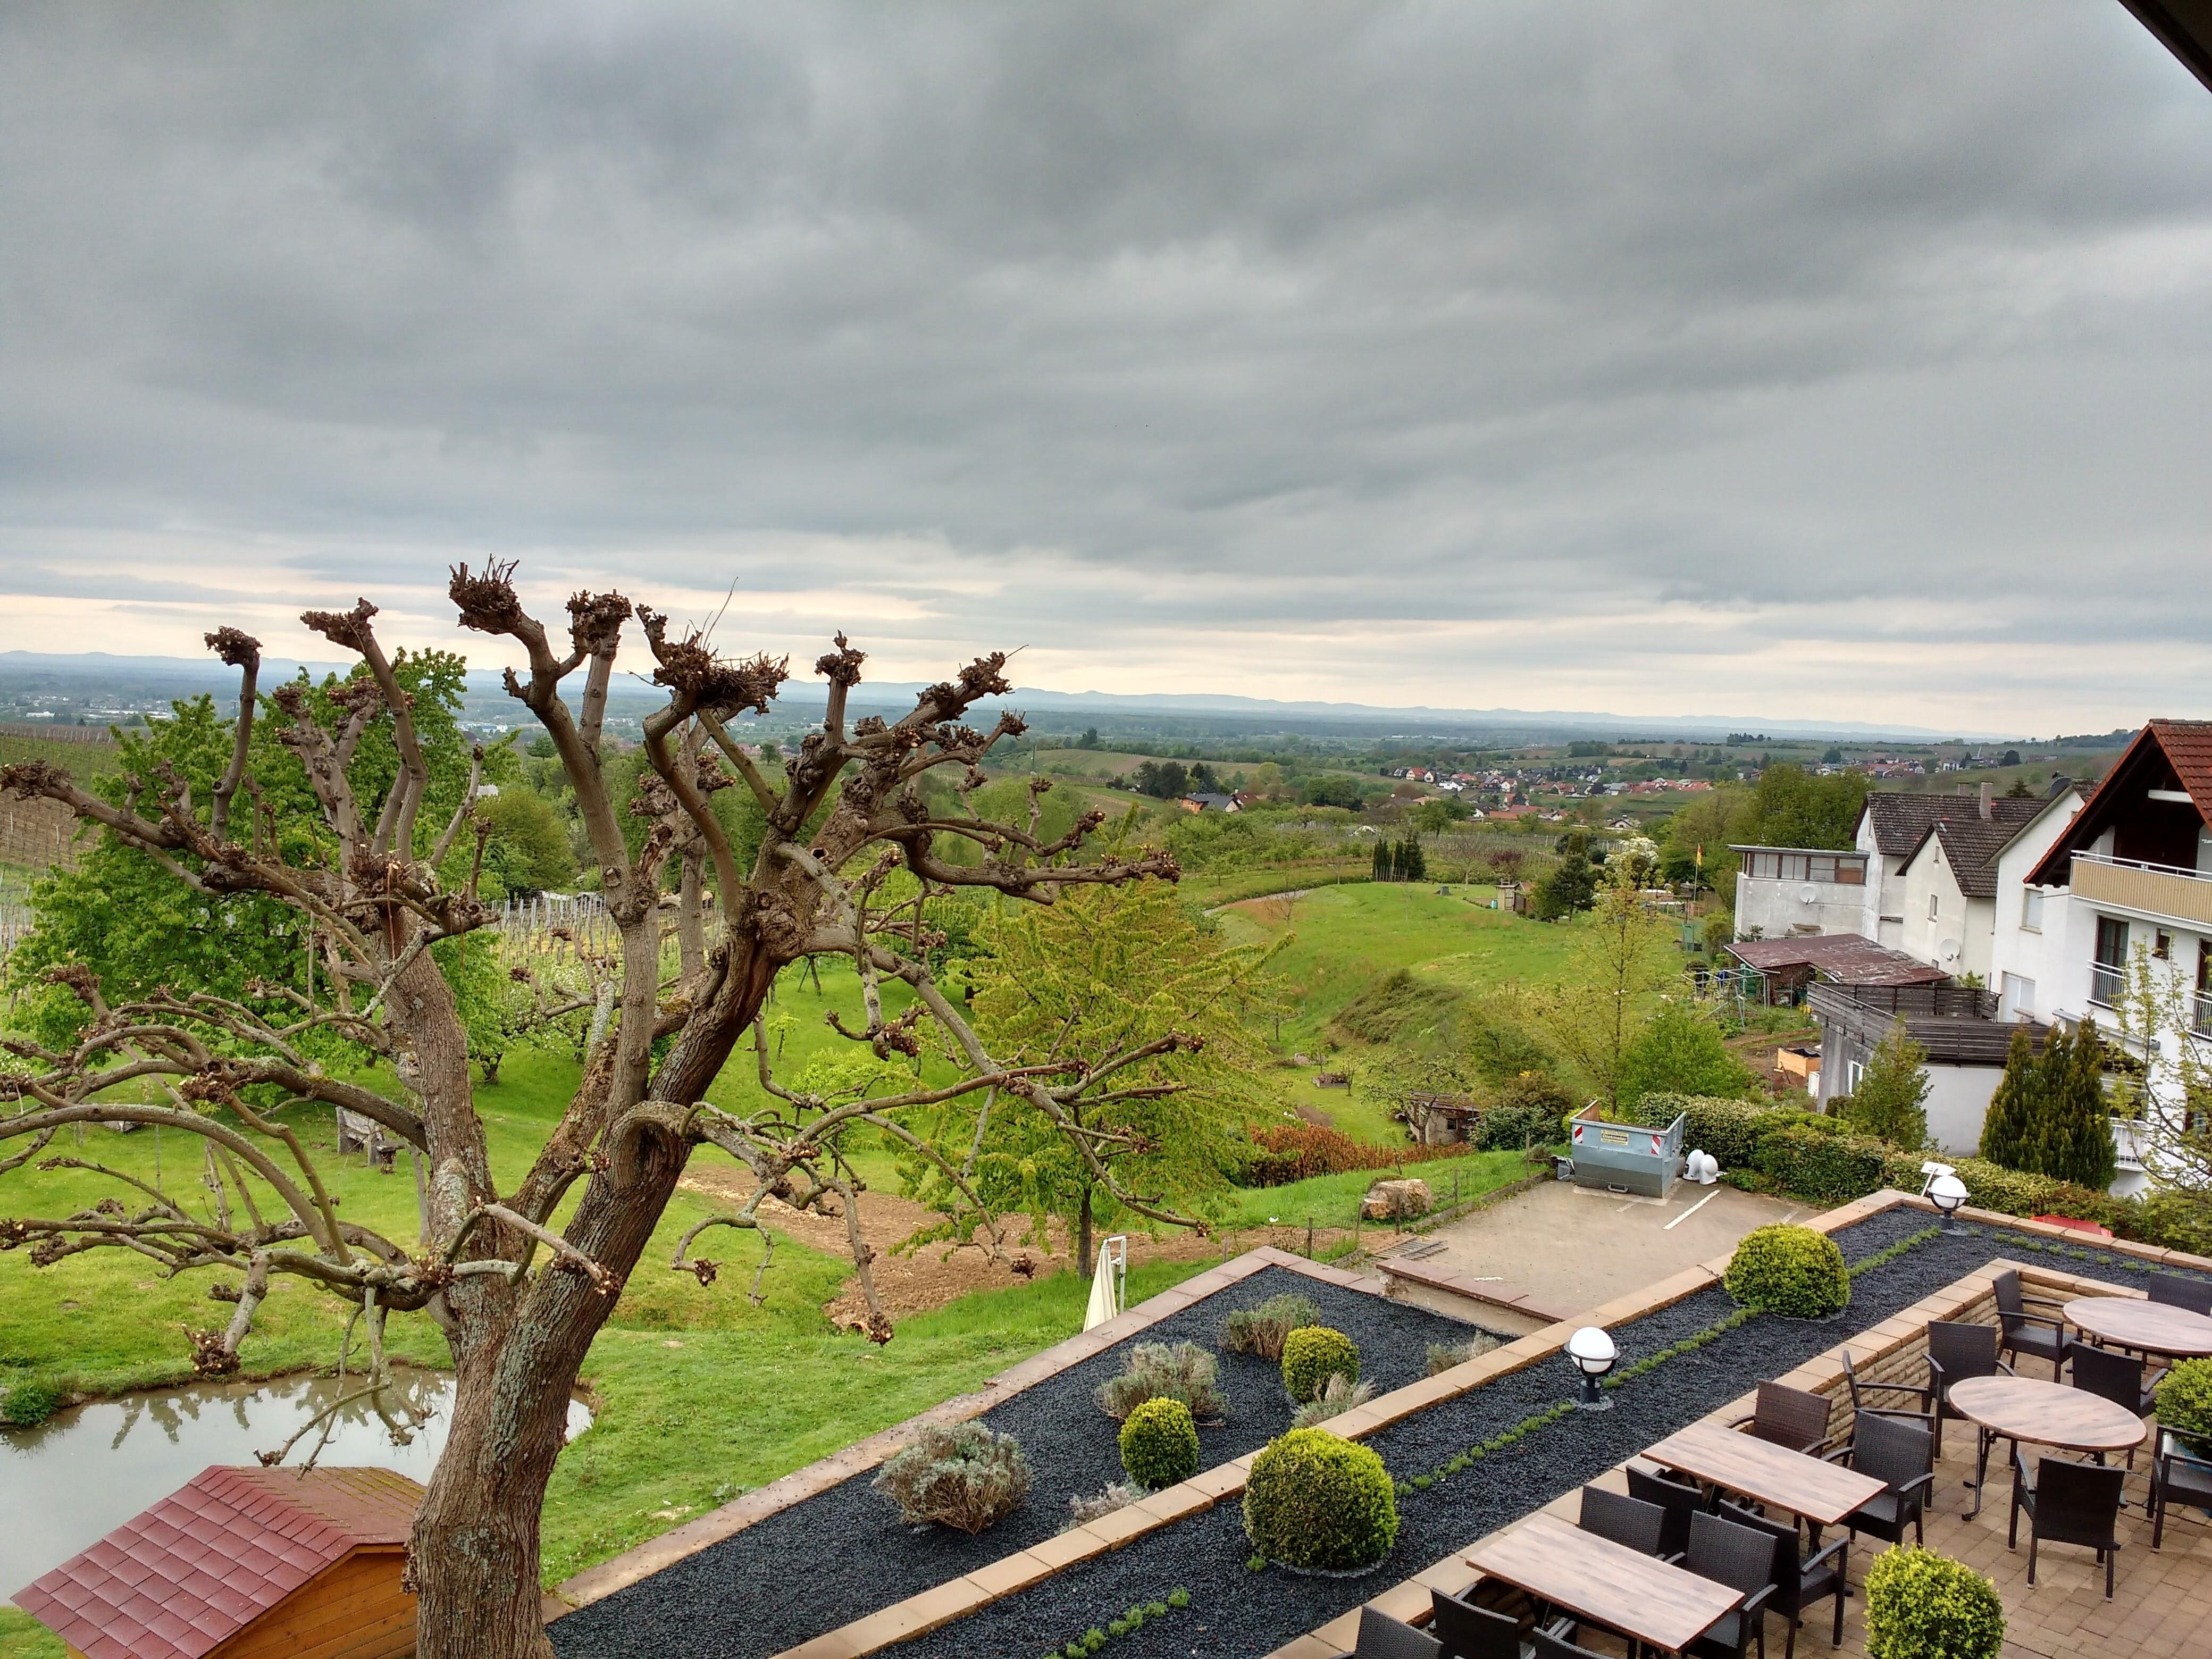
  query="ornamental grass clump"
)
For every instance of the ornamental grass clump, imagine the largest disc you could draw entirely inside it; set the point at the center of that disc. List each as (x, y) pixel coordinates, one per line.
(1154, 1370)
(1313, 1354)
(1338, 1394)
(1260, 1331)
(1084, 1508)
(1921, 1605)
(957, 1474)
(1795, 1272)
(1320, 1504)
(2185, 1405)
(1160, 1443)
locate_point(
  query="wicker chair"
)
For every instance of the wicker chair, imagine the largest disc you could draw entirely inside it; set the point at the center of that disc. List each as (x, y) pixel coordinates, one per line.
(2176, 1474)
(1863, 1393)
(1901, 1455)
(1742, 1557)
(1464, 1630)
(1788, 1417)
(2066, 1503)
(1800, 1581)
(1955, 1352)
(1679, 1498)
(2175, 1291)
(1631, 1521)
(1382, 1637)
(1550, 1645)
(2117, 1378)
(2040, 1336)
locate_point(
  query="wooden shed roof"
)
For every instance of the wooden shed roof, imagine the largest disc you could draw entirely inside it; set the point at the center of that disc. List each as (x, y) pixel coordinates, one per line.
(179, 1578)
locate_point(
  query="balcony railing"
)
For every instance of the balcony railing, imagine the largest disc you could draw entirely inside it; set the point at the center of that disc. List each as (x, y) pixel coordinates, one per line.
(2159, 890)
(2106, 984)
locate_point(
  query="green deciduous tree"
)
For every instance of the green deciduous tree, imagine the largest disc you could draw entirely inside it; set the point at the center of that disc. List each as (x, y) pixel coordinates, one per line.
(1890, 1100)
(1627, 952)
(1680, 1051)
(1101, 974)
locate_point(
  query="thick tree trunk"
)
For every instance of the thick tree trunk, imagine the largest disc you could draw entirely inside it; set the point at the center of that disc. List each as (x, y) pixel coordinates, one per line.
(474, 1553)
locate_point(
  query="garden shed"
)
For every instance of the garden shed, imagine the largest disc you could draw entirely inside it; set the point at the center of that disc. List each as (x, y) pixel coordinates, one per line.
(244, 1563)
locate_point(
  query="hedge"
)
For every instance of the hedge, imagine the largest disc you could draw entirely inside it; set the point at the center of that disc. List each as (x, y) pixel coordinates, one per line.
(2185, 1404)
(1920, 1605)
(1821, 1158)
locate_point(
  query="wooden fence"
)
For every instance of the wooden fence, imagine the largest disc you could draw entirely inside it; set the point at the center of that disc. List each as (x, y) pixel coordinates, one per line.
(558, 924)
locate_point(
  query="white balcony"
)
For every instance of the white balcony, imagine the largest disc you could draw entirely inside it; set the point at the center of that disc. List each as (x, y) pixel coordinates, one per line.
(2162, 891)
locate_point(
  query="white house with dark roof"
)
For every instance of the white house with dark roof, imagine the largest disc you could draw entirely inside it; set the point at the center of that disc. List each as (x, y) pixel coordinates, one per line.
(1951, 878)
(1892, 824)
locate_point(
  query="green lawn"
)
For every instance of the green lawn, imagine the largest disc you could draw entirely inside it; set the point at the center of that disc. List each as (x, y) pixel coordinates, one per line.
(1346, 936)
(1333, 1201)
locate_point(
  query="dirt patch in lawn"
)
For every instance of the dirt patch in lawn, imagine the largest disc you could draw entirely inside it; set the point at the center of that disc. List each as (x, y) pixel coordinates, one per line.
(915, 1281)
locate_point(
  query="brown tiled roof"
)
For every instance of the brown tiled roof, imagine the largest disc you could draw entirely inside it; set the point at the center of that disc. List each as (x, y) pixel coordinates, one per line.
(1901, 819)
(179, 1578)
(1971, 845)
(2188, 745)
(1843, 958)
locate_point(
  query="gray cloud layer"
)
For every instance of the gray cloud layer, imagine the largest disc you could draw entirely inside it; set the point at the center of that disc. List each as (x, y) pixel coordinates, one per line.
(1851, 361)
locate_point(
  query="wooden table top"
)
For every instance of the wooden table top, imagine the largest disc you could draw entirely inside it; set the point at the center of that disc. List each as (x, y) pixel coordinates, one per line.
(1605, 1582)
(1823, 1493)
(2148, 1327)
(2047, 1414)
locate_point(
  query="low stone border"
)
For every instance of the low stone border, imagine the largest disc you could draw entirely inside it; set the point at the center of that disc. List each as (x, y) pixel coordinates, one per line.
(1492, 1293)
(595, 1583)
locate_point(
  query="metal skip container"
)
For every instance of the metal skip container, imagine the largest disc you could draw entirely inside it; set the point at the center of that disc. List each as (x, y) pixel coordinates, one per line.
(1626, 1157)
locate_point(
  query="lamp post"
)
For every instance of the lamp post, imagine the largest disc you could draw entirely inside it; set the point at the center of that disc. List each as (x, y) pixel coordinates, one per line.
(1592, 1353)
(1948, 1193)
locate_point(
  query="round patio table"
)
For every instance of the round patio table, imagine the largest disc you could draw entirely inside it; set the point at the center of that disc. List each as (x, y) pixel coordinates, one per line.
(2042, 1415)
(2145, 1327)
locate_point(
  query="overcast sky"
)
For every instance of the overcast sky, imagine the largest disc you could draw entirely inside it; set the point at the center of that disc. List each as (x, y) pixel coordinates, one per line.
(1846, 361)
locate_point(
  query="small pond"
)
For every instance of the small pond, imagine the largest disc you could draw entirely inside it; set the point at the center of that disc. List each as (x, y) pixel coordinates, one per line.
(85, 1471)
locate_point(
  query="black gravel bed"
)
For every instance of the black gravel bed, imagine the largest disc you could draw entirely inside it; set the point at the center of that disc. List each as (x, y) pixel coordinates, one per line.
(1235, 1613)
(843, 1553)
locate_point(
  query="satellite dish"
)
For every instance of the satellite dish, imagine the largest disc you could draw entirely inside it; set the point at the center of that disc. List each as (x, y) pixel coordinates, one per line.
(1949, 949)
(1807, 893)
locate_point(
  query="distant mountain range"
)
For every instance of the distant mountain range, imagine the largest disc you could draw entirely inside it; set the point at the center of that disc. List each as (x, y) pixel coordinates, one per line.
(157, 676)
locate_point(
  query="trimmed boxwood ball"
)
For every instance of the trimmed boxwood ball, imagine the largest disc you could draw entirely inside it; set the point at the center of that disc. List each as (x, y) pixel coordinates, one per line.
(1313, 1354)
(1792, 1271)
(1160, 1443)
(1315, 1501)
(2185, 1404)
(1921, 1605)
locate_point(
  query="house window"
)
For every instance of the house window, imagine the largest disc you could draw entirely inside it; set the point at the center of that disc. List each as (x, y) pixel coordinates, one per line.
(2162, 947)
(1935, 905)
(2018, 1001)
(1850, 872)
(1821, 869)
(2107, 970)
(2031, 909)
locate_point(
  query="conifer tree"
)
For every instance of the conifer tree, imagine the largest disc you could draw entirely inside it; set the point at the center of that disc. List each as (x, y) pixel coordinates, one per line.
(2009, 1125)
(1381, 860)
(2075, 1139)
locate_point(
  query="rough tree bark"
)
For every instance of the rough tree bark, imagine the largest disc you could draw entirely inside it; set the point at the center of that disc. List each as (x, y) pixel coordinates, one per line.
(519, 1303)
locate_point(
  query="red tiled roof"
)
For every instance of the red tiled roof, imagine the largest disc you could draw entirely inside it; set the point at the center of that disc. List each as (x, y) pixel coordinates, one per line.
(1843, 958)
(181, 1577)
(2188, 745)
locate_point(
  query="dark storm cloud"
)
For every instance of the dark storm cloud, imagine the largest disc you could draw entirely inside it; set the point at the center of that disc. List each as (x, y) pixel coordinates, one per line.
(1846, 361)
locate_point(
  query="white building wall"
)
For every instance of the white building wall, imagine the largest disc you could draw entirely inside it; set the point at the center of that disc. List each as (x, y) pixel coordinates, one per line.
(1881, 902)
(1776, 909)
(1942, 926)
(1957, 1100)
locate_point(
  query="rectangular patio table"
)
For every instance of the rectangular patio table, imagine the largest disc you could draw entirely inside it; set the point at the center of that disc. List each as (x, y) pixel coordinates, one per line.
(1604, 1582)
(1820, 1493)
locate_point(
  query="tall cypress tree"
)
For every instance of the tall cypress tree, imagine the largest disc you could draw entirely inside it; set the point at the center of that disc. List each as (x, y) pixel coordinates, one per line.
(1417, 861)
(2075, 1139)
(1381, 860)
(2011, 1122)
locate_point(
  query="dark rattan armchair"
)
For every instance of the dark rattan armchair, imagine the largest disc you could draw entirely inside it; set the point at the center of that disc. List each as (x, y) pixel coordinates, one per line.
(1679, 1498)
(2176, 1475)
(2117, 1378)
(1788, 1417)
(2040, 1336)
(2066, 1503)
(1865, 1393)
(1382, 1637)
(1800, 1581)
(1902, 1457)
(1629, 1522)
(2175, 1291)
(1742, 1557)
(1464, 1630)
(1955, 1352)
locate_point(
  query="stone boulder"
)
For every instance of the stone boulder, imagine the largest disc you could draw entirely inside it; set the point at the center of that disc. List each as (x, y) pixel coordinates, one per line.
(1396, 1201)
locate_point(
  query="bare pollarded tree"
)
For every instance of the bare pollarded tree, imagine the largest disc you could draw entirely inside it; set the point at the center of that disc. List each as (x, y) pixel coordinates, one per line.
(519, 1300)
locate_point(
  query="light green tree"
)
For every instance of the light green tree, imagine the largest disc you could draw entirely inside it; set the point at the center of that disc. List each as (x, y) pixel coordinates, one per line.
(1891, 1098)
(1626, 952)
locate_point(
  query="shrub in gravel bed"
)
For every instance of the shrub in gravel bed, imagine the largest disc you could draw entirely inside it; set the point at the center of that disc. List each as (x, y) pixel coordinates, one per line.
(1338, 1394)
(1313, 1354)
(1443, 1355)
(2185, 1404)
(1921, 1605)
(957, 1474)
(1160, 1443)
(1791, 1271)
(1260, 1331)
(1155, 1371)
(1115, 1495)
(1320, 1504)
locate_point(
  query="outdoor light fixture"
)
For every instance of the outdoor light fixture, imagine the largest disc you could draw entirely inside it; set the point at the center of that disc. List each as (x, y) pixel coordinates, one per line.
(1946, 1192)
(1593, 1352)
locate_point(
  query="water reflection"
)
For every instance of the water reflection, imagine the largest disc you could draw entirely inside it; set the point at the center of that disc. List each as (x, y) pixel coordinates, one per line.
(84, 1472)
